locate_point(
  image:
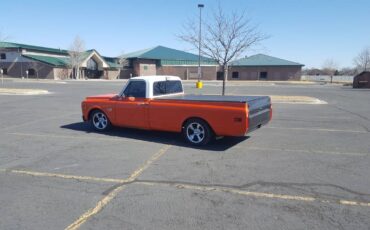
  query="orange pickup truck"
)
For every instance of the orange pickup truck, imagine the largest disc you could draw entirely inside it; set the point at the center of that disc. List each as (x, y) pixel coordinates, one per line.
(159, 103)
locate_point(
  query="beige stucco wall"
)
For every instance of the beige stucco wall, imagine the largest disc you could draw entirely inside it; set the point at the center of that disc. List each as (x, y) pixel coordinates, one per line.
(112, 74)
(144, 67)
(62, 73)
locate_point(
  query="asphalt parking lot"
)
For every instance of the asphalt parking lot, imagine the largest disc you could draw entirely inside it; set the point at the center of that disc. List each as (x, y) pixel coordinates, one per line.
(307, 169)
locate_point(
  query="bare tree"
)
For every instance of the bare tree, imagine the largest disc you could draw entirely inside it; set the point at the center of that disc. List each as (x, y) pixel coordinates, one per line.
(35, 65)
(348, 71)
(330, 68)
(225, 38)
(124, 63)
(3, 37)
(76, 54)
(122, 60)
(362, 60)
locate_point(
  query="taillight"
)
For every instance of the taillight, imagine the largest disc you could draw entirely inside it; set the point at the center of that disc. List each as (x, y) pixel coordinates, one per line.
(247, 110)
(270, 112)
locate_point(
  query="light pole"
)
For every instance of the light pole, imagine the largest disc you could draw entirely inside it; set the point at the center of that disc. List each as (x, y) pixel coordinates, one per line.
(199, 84)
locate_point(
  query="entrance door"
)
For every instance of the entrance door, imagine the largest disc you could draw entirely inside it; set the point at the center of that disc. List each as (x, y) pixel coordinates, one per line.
(132, 110)
(92, 70)
(220, 75)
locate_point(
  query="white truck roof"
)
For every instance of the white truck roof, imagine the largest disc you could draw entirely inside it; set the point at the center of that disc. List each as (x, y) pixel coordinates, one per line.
(154, 78)
(150, 81)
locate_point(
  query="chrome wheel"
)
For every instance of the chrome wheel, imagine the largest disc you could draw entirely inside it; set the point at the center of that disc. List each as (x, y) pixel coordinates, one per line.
(195, 132)
(100, 120)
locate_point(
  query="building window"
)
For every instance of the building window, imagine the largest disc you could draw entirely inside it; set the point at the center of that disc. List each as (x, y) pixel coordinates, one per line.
(235, 75)
(92, 64)
(31, 72)
(263, 75)
(145, 67)
(131, 63)
(3, 56)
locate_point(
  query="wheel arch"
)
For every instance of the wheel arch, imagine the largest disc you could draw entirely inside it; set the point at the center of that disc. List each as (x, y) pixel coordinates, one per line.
(94, 109)
(195, 117)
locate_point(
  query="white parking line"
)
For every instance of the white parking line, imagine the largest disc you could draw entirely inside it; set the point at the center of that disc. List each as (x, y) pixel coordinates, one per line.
(76, 137)
(317, 129)
(37, 121)
(306, 151)
(108, 198)
(64, 176)
(255, 194)
(206, 188)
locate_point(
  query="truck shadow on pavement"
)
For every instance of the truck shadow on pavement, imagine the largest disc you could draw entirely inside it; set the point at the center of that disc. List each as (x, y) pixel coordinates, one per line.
(158, 137)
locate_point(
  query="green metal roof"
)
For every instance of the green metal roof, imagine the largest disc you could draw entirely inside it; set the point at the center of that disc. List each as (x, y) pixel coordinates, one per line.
(54, 61)
(165, 62)
(30, 47)
(64, 61)
(263, 60)
(168, 56)
(112, 62)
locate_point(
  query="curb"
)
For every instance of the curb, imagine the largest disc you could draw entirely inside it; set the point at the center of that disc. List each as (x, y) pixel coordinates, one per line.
(25, 92)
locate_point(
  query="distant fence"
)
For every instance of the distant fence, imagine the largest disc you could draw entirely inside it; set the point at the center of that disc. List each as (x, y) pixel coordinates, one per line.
(326, 78)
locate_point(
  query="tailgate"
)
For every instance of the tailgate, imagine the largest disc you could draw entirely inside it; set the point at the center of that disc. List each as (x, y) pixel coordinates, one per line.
(259, 112)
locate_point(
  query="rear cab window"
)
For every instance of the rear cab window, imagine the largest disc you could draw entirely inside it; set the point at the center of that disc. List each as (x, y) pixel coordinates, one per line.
(166, 87)
(135, 89)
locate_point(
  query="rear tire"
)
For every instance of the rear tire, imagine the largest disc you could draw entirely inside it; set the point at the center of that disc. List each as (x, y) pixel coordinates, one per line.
(197, 132)
(99, 121)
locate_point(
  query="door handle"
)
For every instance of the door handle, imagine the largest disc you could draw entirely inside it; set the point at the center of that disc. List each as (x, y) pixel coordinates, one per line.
(142, 103)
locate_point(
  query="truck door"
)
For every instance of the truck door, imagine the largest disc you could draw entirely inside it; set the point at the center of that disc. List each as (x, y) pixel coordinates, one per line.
(132, 110)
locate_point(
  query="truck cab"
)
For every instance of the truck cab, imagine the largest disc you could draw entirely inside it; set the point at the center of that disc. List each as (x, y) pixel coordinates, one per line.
(133, 101)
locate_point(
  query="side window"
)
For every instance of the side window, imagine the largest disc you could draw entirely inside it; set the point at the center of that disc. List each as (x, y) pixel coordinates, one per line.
(159, 88)
(135, 89)
(166, 87)
(173, 87)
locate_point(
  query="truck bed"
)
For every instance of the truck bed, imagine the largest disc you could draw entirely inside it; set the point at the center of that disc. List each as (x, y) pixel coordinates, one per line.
(259, 107)
(211, 98)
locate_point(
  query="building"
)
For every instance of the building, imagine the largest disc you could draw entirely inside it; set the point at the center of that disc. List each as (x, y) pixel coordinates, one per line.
(20, 60)
(161, 60)
(166, 61)
(264, 67)
(362, 80)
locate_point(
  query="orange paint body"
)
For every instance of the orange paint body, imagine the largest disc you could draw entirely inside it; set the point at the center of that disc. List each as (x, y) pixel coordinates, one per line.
(225, 118)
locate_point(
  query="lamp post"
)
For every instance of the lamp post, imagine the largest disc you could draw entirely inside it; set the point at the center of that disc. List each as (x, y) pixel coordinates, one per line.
(199, 84)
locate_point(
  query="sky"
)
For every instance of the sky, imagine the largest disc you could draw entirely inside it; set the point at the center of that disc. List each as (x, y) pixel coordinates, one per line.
(305, 31)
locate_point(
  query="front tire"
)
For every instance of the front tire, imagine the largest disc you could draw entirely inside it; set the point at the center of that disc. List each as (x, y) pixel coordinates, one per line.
(197, 132)
(99, 121)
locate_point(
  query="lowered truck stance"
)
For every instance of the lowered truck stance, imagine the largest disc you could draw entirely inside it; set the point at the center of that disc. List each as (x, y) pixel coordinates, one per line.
(159, 103)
